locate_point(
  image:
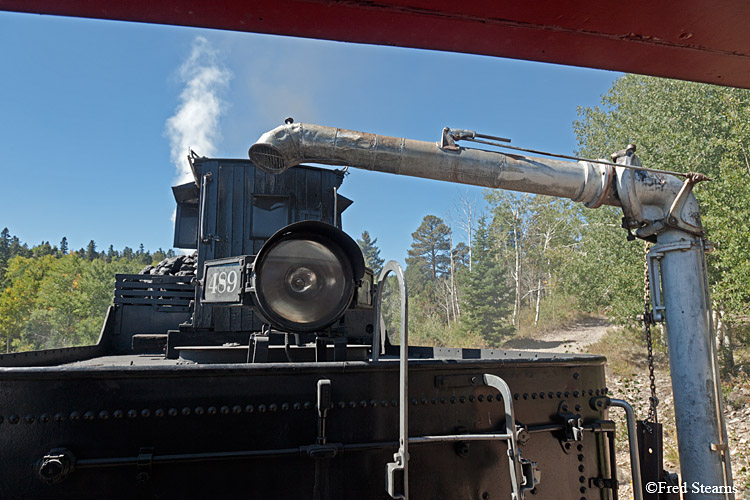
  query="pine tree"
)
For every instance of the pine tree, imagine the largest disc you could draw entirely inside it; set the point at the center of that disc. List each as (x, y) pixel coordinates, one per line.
(371, 252)
(430, 247)
(91, 253)
(64, 246)
(4, 250)
(488, 296)
(461, 256)
(44, 248)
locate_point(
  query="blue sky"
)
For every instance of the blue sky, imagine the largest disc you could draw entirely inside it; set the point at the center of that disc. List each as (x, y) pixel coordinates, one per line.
(84, 106)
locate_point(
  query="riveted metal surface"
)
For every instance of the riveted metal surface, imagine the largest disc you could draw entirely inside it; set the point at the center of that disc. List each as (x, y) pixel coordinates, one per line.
(234, 425)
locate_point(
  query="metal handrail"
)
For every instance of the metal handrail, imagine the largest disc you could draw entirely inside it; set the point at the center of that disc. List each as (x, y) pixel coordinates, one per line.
(401, 457)
(635, 464)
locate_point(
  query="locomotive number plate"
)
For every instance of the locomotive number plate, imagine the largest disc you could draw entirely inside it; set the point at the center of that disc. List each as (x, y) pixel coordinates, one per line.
(223, 282)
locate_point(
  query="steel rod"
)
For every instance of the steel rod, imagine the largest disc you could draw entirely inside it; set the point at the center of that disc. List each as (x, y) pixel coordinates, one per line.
(635, 463)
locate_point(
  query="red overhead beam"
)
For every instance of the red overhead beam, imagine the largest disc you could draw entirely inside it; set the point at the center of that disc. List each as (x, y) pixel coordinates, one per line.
(689, 39)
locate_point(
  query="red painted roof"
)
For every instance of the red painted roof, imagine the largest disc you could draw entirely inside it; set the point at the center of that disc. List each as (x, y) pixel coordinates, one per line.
(688, 39)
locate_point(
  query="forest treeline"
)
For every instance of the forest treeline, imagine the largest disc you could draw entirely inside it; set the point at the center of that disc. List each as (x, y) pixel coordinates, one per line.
(53, 297)
(478, 276)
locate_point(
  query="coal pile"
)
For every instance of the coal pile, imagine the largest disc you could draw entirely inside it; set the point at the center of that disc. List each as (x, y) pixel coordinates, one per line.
(182, 265)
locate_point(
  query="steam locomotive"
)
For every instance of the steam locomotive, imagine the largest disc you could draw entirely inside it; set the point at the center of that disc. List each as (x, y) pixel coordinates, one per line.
(267, 375)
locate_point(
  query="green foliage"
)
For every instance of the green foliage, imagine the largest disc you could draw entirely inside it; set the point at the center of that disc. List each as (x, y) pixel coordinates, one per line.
(520, 253)
(487, 292)
(680, 126)
(10, 246)
(52, 298)
(606, 271)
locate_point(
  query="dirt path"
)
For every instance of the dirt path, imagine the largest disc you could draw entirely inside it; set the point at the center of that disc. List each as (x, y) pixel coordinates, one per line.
(572, 339)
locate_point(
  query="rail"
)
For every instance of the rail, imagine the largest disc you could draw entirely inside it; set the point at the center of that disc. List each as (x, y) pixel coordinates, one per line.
(154, 290)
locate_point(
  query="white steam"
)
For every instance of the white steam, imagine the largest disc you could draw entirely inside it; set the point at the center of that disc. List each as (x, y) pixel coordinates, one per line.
(195, 122)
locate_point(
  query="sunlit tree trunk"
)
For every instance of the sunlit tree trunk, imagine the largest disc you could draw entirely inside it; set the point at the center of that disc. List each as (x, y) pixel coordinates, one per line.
(723, 332)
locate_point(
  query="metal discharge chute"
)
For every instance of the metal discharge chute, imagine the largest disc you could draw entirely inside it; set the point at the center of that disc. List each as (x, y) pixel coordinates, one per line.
(657, 206)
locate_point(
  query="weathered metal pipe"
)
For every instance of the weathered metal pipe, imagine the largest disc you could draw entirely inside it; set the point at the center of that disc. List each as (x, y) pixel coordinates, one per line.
(654, 204)
(292, 144)
(701, 431)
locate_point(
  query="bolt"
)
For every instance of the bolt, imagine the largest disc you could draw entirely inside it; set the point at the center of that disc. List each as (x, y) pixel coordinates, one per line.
(462, 449)
(50, 470)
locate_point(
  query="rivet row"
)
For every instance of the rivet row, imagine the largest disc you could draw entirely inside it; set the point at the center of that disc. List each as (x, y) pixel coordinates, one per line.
(75, 416)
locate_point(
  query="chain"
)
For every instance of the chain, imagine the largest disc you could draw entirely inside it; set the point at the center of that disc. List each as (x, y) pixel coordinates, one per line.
(647, 322)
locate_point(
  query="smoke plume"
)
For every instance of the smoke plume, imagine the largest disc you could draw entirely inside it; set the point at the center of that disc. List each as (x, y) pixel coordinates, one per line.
(194, 124)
